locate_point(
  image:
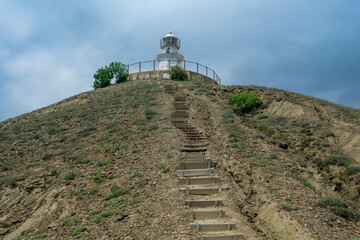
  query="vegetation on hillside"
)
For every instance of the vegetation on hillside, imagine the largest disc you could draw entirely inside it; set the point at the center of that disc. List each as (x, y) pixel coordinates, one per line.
(94, 149)
(104, 75)
(245, 102)
(177, 73)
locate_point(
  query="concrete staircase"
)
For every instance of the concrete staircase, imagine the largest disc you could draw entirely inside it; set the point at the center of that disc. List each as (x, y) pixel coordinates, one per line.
(202, 188)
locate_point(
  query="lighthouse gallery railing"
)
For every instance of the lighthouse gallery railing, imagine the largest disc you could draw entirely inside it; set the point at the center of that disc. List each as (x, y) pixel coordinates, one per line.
(186, 64)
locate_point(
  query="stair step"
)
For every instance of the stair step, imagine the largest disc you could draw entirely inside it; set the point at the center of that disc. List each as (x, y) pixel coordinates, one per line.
(180, 99)
(195, 172)
(196, 145)
(194, 154)
(203, 203)
(187, 165)
(213, 227)
(181, 108)
(198, 181)
(221, 237)
(210, 214)
(202, 191)
(202, 149)
(177, 119)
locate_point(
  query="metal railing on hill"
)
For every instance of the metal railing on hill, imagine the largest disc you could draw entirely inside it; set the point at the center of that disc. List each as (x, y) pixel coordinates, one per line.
(185, 64)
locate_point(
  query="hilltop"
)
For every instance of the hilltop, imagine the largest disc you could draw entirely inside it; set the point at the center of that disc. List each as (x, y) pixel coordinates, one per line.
(100, 165)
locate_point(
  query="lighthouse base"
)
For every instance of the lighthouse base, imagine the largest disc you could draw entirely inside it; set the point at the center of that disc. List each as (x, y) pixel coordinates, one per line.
(163, 74)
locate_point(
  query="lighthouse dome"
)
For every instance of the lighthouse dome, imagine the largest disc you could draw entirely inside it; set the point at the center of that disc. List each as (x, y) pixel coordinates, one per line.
(170, 40)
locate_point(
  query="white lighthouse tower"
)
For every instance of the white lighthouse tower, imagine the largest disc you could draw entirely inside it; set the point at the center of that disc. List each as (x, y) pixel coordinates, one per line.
(169, 45)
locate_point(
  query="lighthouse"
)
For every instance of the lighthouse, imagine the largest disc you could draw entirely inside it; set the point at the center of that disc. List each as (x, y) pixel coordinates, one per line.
(170, 45)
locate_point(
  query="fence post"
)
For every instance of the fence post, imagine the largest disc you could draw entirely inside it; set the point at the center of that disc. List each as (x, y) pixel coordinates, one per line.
(154, 66)
(213, 75)
(128, 76)
(184, 65)
(206, 71)
(169, 64)
(197, 67)
(139, 66)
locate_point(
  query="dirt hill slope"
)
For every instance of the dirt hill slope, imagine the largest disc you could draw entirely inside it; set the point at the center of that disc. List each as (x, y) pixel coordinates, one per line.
(100, 165)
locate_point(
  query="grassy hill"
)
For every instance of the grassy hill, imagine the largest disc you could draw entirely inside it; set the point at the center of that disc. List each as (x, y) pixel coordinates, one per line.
(100, 165)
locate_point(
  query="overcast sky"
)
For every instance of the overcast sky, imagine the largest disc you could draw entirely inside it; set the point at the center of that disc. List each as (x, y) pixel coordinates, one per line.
(49, 50)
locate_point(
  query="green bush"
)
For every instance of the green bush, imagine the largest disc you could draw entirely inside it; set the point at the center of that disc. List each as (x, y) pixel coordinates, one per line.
(177, 73)
(287, 207)
(245, 102)
(78, 230)
(69, 175)
(116, 192)
(345, 213)
(338, 160)
(331, 202)
(352, 170)
(102, 215)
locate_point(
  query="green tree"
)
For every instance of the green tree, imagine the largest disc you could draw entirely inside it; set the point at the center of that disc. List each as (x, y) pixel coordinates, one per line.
(102, 77)
(177, 73)
(119, 71)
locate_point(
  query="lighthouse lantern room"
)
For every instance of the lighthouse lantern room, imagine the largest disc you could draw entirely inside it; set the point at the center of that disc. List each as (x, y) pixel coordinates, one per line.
(170, 45)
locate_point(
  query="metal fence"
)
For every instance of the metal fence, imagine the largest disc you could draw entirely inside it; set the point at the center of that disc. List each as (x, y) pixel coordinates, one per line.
(185, 64)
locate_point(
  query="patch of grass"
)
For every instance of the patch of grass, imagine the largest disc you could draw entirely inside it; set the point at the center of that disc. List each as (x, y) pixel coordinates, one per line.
(345, 213)
(123, 146)
(87, 132)
(102, 215)
(78, 230)
(228, 117)
(70, 221)
(307, 184)
(331, 202)
(50, 180)
(305, 143)
(329, 134)
(47, 157)
(288, 199)
(90, 191)
(149, 114)
(169, 155)
(98, 178)
(286, 207)
(79, 158)
(134, 201)
(104, 163)
(116, 192)
(92, 213)
(263, 127)
(152, 127)
(142, 183)
(138, 122)
(8, 181)
(6, 224)
(69, 175)
(339, 160)
(163, 168)
(136, 174)
(352, 170)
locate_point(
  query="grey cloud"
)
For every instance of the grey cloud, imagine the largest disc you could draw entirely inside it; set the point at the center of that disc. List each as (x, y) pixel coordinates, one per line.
(50, 50)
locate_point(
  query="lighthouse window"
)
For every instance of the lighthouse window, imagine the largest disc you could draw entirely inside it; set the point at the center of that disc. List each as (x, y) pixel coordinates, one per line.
(173, 40)
(168, 41)
(164, 41)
